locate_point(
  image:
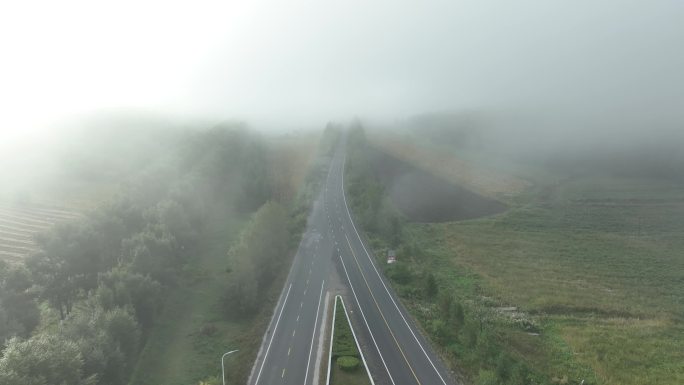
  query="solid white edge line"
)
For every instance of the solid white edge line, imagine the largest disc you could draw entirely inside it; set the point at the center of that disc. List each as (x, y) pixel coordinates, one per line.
(346, 314)
(332, 333)
(383, 282)
(366, 322)
(313, 335)
(275, 328)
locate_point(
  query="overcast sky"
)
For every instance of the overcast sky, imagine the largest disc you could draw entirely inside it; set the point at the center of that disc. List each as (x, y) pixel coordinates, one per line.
(309, 61)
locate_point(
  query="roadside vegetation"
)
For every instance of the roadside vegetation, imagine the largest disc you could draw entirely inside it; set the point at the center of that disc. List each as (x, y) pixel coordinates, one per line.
(346, 363)
(579, 280)
(152, 285)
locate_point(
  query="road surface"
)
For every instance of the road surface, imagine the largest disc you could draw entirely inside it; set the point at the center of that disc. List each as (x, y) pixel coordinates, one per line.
(396, 353)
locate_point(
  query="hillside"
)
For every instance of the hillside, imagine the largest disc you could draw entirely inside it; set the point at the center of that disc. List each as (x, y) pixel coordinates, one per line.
(580, 279)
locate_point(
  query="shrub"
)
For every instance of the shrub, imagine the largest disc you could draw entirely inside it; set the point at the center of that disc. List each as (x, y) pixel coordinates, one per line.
(400, 273)
(520, 375)
(344, 344)
(348, 363)
(208, 330)
(504, 365)
(430, 286)
(486, 377)
(210, 381)
(440, 331)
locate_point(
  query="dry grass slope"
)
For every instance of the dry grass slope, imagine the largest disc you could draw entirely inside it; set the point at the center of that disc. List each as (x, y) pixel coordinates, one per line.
(290, 159)
(446, 165)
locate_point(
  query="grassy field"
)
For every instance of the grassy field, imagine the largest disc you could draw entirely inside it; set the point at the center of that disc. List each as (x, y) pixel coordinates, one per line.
(606, 300)
(593, 260)
(602, 265)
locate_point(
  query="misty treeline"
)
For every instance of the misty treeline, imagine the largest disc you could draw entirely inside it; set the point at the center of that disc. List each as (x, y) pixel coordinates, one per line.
(257, 258)
(80, 309)
(459, 327)
(367, 193)
(261, 252)
(572, 146)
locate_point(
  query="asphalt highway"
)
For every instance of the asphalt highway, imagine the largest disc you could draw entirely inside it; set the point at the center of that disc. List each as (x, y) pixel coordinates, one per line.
(395, 352)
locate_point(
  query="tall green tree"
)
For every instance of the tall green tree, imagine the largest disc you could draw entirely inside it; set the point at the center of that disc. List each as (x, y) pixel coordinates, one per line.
(430, 286)
(44, 359)
(121, 288)
(57, 284)
(154, 252)
(19, 313)
(257, 257)
(107, 340)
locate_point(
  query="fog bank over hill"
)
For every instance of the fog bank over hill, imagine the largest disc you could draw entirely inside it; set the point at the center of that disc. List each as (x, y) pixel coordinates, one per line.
(635, 146)
(540, 78)
(519, 131)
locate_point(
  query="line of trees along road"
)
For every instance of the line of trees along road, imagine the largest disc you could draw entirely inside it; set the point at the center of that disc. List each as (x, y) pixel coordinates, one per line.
(267, 241)
(80, 309)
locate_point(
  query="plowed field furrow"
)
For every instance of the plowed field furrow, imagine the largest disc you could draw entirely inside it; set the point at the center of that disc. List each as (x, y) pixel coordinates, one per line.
(7, 222)
(19, 226)
(42, 211)
(11, 257)
(20, 217)
(16, 242)
(10, 232)
(16, 249)
(31, 215)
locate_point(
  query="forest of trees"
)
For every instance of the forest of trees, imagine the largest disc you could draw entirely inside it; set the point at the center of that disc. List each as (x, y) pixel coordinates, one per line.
(80, 309)
(257, 258)
(259, 255)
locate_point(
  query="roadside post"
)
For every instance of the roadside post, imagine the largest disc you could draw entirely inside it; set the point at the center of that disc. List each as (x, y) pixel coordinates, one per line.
(223, 368)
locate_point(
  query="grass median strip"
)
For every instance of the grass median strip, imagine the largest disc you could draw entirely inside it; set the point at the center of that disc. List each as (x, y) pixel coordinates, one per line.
(346, 363)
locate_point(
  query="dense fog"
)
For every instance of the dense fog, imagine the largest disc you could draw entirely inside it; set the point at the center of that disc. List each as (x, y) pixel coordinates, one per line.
(596, 80)
(517, 163)
(567, 65)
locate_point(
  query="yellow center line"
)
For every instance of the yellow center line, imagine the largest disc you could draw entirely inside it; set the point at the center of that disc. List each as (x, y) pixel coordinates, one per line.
(381, 314)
